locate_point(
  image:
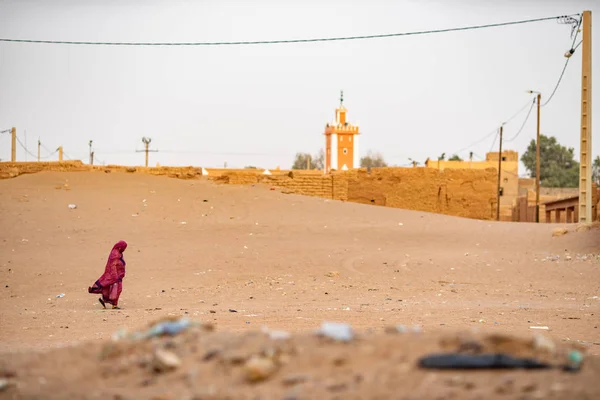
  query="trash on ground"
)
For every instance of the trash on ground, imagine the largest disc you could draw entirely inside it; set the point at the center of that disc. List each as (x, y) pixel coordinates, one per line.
(170, 327)
(165, 361)
(478, 361)
(259, 368)
(336, 331)
(60, 296)
(72, 206)
(543, 328)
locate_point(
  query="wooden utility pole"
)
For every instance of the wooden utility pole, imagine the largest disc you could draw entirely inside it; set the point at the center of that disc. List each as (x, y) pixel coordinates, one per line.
(39, 145)
(146, 141)
(60, 153)
(499, 177)
(91, 157)
(585, 150)
(308, 162)
(13, 149)
(538, 158)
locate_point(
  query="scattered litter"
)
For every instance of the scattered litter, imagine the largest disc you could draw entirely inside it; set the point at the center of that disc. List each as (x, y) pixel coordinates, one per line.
(259, 368)
(165, 361)
(277, 335)
(575, 360)
(333, 274)
(167, 327)
(72, 206)
(183, 223)
(135, 215)
(400, 223)
(402, 329)
(543, 328)
(543, 343)
(5, 384)
(336, 331)
(478, 361)
(60, 296)
(232, 310)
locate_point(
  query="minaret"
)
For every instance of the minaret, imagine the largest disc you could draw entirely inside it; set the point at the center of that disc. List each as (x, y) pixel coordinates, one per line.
(341, 142)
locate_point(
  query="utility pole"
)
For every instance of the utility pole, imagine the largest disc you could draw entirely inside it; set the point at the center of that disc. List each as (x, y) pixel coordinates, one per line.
(499, 174)
(13, 149)
(91, 157)
(146, 141)
(538, 157)
(39, 145)
(60, 153)
(308, 162)
(585, 150)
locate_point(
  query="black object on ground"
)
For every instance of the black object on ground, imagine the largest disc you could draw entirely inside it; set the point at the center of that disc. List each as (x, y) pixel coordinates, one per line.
(479, 361)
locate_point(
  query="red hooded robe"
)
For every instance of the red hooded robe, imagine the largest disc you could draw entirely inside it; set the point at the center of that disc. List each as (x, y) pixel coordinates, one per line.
(110, 284)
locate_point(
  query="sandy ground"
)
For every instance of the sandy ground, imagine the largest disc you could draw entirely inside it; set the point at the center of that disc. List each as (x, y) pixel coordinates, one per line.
(199, 250)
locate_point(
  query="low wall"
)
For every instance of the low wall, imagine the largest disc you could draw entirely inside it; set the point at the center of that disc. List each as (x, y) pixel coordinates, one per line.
(12, 170)
(465, 193)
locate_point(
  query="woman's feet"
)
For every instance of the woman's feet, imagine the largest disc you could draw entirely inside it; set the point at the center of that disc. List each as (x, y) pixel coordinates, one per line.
(102, 302)
(116, 308)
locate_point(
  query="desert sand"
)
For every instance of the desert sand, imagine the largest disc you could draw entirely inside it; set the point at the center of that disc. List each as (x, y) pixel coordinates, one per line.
(245, 257)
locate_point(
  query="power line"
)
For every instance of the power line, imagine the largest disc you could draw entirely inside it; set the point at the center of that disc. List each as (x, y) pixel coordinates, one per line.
(523, 124)
(572, 50)
(45, 148)
(25, 148)
(288, 41)
(494, 142)
(518, 112)
(495, 131)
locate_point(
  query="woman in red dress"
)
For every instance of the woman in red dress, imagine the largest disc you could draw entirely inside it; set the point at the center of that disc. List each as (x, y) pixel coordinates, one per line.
(110, 284)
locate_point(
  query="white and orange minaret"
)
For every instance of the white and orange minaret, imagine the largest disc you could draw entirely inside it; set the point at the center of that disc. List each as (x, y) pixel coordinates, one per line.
(341, 142)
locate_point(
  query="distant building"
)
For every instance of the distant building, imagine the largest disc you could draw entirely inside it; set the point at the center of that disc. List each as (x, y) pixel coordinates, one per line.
(341, 142)
(509, 176)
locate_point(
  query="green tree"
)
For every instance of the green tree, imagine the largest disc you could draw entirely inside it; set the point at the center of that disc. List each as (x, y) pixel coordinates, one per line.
(596, 170)
(455, 157)
(303, 160)
(442, 157)
(372, 160)
(558, 167)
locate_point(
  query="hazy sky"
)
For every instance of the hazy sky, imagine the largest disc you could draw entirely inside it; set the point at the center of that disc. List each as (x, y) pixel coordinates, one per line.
(413, 97)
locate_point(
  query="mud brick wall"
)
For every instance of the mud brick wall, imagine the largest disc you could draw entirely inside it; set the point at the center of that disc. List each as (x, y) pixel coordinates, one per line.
(308, 185)
(464, 193)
